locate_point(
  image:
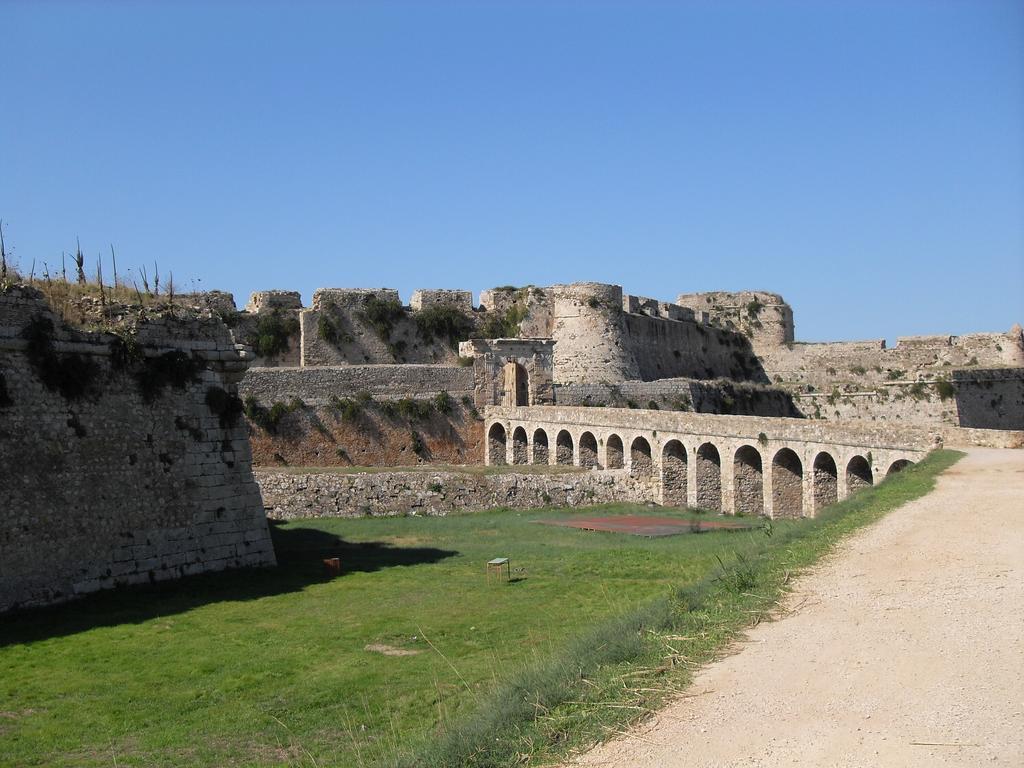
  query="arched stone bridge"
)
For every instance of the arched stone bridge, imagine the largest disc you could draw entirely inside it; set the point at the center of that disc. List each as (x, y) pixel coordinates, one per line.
(733, 464)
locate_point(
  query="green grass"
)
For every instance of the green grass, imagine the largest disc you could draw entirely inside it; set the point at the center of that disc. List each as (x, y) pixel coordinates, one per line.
(270, 667)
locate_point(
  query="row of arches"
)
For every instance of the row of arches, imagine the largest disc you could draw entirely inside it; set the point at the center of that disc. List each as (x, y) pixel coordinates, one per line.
(748, 470)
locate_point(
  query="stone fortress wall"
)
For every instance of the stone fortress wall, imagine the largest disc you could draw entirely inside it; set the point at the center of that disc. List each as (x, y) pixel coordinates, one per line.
(592, 344)
(316, 386)
(124, 458)
(138, 438)
(290, 495)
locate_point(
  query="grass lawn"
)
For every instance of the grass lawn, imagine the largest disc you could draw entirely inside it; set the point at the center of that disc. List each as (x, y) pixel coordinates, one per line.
(271, 667)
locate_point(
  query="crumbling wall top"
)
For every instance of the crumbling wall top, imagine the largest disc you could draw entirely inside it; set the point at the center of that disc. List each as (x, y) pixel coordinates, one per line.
(262, 301)
(423, 298)
(351, 298)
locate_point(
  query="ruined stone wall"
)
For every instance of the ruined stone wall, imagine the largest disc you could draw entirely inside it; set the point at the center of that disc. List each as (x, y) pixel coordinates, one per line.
(530, 308)
(371, 326)
(866, 362)
(600, 334)
(665, 348)
(123, 459)
(270, 326)
(290, 495)
(316, 386)
(681, 394)
(973, 398)
(425, 298)
(989, 399)
(364, 415)
(765, 318)
(603, 336)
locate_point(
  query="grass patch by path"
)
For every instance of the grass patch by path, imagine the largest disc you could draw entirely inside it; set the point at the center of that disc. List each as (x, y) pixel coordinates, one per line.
(285, 666)
(621, 669)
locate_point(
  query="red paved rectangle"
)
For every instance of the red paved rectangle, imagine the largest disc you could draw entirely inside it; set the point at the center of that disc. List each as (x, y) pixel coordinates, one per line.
(640, 525)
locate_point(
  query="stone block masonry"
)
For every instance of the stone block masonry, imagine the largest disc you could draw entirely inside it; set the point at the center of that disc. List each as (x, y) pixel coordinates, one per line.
(316, 386)
(441, 297)
(123, 459)
(700, 396)
(583, 335)
(292, 495)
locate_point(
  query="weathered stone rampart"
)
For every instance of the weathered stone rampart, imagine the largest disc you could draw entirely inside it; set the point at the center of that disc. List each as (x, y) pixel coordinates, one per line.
(123, 458)
(765, 318)
(723, 396)
(598, 336)
(316, 386)
(602, 336)
(289, 495)
(665, 348)
(974, 398)
(865, 362)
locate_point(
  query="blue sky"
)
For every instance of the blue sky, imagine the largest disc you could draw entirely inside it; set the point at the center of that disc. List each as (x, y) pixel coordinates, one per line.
(864, 159)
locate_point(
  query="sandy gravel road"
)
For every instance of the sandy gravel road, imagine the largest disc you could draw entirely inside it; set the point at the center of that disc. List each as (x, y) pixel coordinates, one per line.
(904, 648)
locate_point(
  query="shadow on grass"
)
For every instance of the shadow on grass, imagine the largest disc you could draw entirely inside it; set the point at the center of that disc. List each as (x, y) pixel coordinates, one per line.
(300, 555)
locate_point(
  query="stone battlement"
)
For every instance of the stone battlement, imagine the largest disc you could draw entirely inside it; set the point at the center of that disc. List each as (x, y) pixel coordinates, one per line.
(131, 455)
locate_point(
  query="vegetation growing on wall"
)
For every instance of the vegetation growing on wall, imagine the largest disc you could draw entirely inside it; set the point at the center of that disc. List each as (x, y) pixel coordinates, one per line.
(329, 329)
(125, 350)
(945, 388)
(381, 315)
(443, 321)
(72, 375)
(505, 325)
(273, 330)
(269, 419)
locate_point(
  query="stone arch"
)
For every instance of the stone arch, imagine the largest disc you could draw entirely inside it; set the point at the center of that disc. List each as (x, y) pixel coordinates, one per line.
(519, 447)
(858, 474)
(673, 474)
(588, 451)
(898, 466)
(517, 385)
(825, 476)
(787, 484)
(640, 462)
(709, 478)
(496, 440)
(540, 447)
(563, 448)
(614, 453)
(748, 482)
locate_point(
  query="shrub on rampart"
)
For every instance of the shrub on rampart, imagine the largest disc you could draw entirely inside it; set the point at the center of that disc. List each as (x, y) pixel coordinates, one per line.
(443, 321)
(381, 315)
(272, 333)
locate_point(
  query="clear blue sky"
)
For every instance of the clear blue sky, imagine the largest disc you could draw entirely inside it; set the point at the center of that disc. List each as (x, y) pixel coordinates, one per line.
(864, 159)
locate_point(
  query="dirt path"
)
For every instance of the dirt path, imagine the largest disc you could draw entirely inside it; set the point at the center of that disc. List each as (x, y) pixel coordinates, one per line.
(912, 634)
